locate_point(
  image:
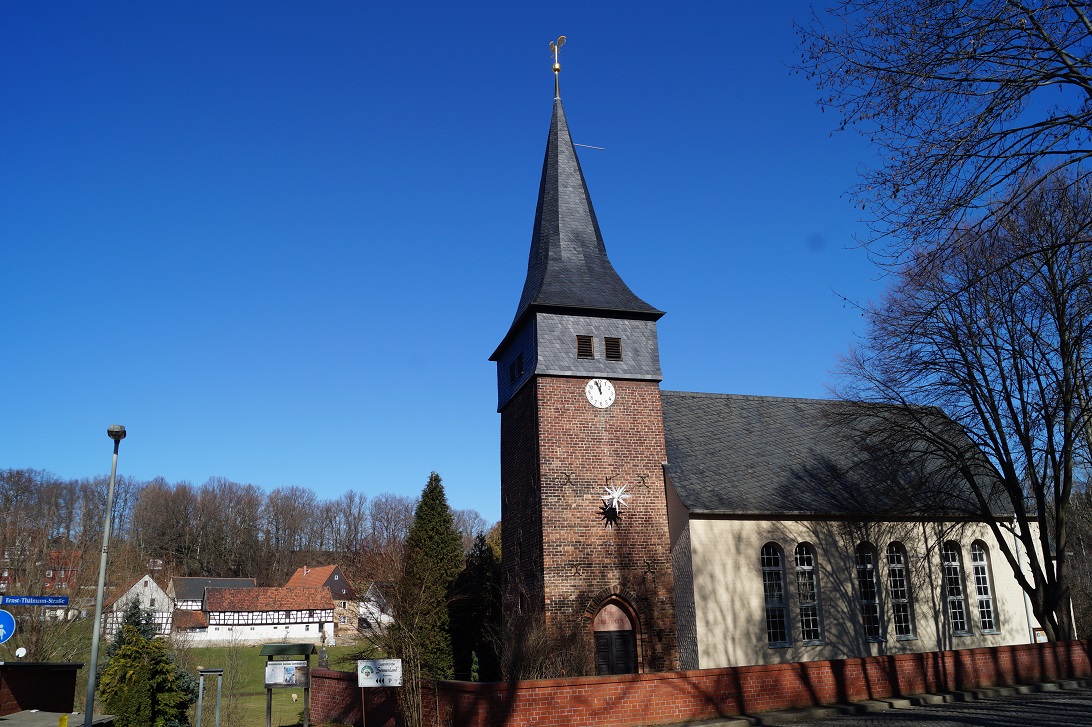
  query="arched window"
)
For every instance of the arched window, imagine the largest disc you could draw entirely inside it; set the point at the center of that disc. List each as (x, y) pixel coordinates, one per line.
(898, 579)
(980, 565)
(866, 590)
(953, 587)
(807, 592)
(773, 591)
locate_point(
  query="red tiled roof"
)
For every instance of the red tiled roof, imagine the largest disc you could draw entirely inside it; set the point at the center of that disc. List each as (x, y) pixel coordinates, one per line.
(268, 599)
(189, 620)
(311, 577)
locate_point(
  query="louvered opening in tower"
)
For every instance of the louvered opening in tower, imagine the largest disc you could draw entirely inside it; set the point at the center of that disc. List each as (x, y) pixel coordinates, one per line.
(585, 348)
(612, 347)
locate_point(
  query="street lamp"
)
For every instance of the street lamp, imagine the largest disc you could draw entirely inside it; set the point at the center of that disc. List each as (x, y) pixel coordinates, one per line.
(117, 433)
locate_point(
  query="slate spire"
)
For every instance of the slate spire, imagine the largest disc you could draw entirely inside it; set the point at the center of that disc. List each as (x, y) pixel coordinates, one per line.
(568, 266)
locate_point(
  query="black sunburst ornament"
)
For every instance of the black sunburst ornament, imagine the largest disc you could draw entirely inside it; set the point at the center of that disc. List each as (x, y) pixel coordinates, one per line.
(613, 502)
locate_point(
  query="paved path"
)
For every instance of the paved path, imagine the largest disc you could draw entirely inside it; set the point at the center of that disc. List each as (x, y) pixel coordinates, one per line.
(1043, 705)
(1070, 707)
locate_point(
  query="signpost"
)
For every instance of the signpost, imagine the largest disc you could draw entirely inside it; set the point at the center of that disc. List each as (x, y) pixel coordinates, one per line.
(282, 672)
(286, 674)
(7, 626)
(376, 673)
(33, 600)
(379, 673)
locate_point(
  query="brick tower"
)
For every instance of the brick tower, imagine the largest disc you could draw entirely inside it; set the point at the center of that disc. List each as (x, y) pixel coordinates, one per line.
(578, 392)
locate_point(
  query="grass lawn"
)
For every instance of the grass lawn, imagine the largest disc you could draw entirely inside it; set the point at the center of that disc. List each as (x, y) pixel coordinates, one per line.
(250, 682)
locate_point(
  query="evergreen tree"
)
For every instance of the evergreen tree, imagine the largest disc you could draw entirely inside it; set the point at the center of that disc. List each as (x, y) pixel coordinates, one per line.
(142, 622)
(139, 681)
(476, 615)
(433, 560)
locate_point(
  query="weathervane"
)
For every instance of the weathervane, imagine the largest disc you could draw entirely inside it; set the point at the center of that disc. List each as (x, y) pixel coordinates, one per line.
(555, 47)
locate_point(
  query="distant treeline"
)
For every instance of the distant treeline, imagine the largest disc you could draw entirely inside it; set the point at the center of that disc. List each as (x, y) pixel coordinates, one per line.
(218, 528)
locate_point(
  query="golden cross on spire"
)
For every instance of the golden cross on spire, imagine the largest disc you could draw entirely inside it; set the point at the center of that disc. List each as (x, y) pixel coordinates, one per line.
(555, 47)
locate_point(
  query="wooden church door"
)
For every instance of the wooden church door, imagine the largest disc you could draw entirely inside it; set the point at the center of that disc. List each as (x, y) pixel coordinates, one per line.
(615, 642)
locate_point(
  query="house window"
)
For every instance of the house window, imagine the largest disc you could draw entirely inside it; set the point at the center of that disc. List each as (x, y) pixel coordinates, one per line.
(151, 603)
(898, 580)
(866, 591)
(612, 349)
(953, 588)
(585, 348)
(49, 574)
(342, 619)
(807, 593)
(307, 627)
(773, 591)
(980, 565)
(336, 576)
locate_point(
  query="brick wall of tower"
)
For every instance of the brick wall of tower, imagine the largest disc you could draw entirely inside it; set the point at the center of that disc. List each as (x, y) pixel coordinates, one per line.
(521, 517)
(581, 449)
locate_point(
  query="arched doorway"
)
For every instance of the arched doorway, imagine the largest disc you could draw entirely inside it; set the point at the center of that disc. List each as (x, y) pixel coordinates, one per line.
(615, 641)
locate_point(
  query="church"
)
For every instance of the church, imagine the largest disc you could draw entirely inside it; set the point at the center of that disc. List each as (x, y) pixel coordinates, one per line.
(679, 530)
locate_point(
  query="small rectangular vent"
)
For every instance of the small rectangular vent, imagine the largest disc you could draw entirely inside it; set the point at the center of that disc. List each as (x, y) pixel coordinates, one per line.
(612, 347)
(585, 348)
(515, 370)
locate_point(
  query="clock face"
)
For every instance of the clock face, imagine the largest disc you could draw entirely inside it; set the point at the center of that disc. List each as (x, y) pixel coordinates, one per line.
(600, 393)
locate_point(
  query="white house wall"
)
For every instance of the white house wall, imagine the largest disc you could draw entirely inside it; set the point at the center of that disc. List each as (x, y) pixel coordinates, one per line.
(730, 608)
(260, 634)
(150, 597)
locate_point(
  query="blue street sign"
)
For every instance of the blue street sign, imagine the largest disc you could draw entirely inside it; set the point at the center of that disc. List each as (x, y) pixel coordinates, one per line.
(7, 626)
(33, 601)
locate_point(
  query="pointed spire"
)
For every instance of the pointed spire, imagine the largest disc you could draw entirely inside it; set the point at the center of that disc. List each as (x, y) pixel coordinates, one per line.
(568, 265)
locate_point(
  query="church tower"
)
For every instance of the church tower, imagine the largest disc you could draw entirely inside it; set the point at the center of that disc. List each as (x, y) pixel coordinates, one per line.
(583, 503)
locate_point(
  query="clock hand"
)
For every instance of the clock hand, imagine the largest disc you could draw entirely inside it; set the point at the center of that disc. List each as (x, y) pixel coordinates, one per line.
(599, 386)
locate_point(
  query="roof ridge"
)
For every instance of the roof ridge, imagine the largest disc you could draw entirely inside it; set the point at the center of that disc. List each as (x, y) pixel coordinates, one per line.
(750, 397)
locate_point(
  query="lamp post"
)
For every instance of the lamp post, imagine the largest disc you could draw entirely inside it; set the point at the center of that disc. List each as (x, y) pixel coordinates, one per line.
(117, 433)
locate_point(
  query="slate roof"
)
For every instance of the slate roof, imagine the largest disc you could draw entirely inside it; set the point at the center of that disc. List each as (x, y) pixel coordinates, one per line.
(268, 599)
(193, 589)
(760, 455)
(568, 268)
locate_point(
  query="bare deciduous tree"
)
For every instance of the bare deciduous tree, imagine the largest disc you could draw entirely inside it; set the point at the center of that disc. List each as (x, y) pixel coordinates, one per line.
(1005, 351)
(962, 100)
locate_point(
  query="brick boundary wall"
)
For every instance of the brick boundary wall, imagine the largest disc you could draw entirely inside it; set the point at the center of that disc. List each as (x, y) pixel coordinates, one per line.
(671, 697)
(335, 698)
(45, 687)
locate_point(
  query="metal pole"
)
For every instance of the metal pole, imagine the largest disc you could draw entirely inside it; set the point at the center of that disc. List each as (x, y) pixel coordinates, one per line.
(219, 683)
(200, 695)
(117, 433)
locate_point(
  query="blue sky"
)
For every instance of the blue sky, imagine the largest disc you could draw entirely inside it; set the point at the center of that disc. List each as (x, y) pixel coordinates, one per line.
(278, 241)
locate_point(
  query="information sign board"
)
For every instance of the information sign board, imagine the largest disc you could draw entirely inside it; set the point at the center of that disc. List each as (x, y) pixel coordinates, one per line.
(7, 626)
(34, 600)
(379, 673)
(286, 674)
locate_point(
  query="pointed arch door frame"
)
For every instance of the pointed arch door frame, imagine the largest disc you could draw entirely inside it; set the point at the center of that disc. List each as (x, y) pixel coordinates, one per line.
(615, 628)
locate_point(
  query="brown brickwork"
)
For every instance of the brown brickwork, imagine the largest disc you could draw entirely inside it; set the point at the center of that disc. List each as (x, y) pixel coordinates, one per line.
(558, 452)
(689, 696)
